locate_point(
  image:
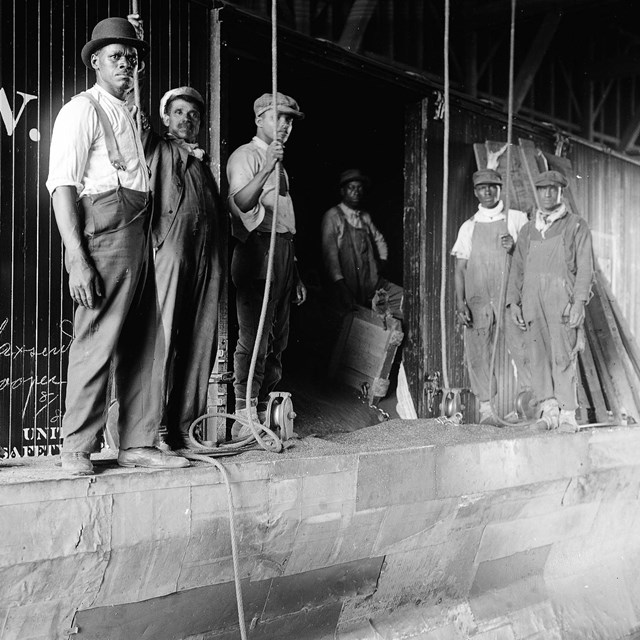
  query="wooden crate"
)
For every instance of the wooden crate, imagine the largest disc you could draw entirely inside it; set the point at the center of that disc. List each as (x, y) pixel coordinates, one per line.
(364, 352)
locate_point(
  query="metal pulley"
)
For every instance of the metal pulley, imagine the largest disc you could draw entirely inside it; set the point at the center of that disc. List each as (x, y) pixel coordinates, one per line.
(280, 414)
(451, 403)
(526, 405)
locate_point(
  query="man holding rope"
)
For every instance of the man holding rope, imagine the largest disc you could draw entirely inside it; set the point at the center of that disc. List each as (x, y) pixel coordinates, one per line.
(480, 249)
(251, 172)
(99, 184)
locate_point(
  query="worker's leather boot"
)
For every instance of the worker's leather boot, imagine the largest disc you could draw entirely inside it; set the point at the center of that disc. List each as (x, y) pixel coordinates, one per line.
(568, 423)
(486, 414)
(241, 429)
(549, 420)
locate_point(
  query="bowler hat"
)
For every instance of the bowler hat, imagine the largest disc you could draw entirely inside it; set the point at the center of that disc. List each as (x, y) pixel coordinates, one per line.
(486, 176)
(354, 174)
(188, 93)
(112, 31)
(550, 179)
(285, 104)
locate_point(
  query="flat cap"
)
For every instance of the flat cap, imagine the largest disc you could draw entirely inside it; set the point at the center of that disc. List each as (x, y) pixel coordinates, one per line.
(551, 179)
(188, 92)
(284, 103)
(486, 176)
(354, 174)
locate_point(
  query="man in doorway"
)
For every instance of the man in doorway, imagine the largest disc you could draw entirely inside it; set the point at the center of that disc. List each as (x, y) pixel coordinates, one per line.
(355, 253)
(99, 184)
(186, 243)
(549, 286)
(251, 172)
(481, 249)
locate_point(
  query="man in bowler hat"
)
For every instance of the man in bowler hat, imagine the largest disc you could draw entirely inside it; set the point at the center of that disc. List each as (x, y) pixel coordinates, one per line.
(99, 184)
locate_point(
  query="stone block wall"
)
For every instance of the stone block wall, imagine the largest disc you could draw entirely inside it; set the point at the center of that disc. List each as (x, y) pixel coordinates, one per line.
(451, 534)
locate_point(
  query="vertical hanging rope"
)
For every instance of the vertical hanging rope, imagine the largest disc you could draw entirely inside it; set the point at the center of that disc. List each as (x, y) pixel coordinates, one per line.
(445, 203)
(255, 429)
(507, 204)
(133, 8)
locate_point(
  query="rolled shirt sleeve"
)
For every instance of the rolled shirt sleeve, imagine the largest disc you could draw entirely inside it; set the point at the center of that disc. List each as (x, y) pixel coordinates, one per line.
(74, 130)
(242, 166)
(462, 246)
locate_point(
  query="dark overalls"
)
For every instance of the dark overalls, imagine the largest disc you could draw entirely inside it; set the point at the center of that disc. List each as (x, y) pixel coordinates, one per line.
(483, 278)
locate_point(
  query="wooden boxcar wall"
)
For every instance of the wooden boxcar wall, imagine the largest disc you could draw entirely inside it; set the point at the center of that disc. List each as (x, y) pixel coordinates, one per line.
(423, 228)
(608, 196)
(40, 70)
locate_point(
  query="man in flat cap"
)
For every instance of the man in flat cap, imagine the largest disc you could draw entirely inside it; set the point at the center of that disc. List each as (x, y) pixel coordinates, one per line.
(186, 242)
(549, 286)
(99, 184)
(483, 242)
(355, 253)
(251, 172)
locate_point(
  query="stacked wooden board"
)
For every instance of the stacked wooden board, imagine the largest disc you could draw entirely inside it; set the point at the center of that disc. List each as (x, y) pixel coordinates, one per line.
(609, 365)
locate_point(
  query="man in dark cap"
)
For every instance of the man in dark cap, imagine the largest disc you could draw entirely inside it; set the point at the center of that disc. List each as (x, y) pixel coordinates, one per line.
(480, 249)
(549, 286)
(355, 253)
(99, 184)
(186, 242)
(251, 172)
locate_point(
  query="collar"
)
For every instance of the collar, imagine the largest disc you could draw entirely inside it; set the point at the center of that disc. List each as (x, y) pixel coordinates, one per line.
(188, 148)
(259, 142)
(355, 213)
(106, 94)
(490, 215)
(544, 222)
(550, 218)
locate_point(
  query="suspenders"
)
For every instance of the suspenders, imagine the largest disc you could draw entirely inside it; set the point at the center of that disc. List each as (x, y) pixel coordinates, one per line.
(115, 157)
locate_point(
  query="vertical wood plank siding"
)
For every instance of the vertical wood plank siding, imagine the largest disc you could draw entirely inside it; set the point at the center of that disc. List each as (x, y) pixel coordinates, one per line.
(608, 196)
(41, 42)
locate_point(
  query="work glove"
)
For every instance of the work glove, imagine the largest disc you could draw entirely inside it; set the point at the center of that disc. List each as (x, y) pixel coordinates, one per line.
(517, 317)
(463, 315)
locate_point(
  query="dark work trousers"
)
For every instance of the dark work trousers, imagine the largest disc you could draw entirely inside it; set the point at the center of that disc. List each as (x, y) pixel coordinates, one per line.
(248, 271)
(188, 287)
(483, 279)
(546, 298)
(119, 327)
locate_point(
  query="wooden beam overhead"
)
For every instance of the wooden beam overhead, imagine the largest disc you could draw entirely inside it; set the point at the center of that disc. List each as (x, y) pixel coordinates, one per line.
(356, 24)
(498, 10)
(535, 55)
(631, 133)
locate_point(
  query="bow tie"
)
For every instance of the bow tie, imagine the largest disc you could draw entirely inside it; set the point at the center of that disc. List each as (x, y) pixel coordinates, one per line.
(192, 148)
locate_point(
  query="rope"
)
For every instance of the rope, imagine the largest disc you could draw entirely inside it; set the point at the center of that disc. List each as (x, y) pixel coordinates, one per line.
(507, 204)
(136, 82)
(234, 542)
(445, 202)
(255, 429)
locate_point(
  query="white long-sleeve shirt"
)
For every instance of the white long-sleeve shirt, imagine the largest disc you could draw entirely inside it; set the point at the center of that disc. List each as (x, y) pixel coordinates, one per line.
(79, 156)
